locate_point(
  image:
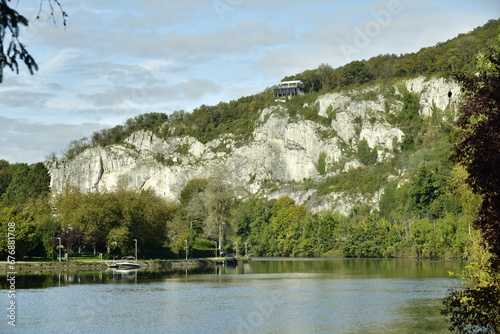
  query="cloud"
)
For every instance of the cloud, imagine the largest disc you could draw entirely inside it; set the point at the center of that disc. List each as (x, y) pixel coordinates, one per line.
(22, 98)
(148, 93)
(23, 141)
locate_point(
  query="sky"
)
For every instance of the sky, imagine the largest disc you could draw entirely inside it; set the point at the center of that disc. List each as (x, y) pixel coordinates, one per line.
(118, 59)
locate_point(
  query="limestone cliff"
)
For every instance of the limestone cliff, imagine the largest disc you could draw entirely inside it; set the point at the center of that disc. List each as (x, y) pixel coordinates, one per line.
(283, 152)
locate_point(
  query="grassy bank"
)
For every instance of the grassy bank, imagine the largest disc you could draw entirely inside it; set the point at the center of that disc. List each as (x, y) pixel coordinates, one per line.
(101, 265)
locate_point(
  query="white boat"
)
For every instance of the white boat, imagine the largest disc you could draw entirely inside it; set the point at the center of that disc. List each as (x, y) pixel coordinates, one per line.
(127, 262)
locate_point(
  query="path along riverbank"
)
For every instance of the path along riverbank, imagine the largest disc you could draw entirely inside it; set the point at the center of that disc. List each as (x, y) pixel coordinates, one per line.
(101, 265)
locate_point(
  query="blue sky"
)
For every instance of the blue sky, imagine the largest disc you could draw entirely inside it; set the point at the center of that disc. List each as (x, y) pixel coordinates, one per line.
(117, 59)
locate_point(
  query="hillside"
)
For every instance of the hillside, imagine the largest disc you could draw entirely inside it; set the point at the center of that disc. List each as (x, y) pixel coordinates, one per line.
(360, 172)
(286, 153)
(358, 166)
(367, 121)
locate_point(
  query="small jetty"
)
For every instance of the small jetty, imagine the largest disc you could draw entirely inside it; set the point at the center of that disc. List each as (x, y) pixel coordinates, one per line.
(127, 262)
(232, 260)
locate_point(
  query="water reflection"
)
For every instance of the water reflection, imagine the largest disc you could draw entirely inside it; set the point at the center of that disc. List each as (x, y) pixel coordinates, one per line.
(39, 280)
(260, 267)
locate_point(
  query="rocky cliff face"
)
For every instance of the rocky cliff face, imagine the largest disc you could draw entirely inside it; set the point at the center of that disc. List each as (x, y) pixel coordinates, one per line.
(282, 153)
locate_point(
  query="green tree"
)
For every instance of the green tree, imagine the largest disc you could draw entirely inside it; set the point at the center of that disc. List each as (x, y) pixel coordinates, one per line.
(479, 147)
(27, 183)
(290, 224)
(219, 199)
(118, 239)
(321, 166)
(325, 223)
(367, 156)
(425, 189)
(256, 214)
(476, 309)
(356, 72)
(105, 218)
(409, 119)
(147, 217)
(6, 173)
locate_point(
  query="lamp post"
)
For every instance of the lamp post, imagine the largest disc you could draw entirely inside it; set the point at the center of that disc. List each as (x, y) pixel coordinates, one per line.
(186, 249)
(135, 240)
(60, 246)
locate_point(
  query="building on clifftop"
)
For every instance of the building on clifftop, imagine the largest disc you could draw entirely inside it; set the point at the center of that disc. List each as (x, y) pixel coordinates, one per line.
(289, 88)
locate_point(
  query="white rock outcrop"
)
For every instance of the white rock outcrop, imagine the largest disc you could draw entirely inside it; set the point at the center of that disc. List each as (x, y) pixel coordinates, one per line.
(283, 151)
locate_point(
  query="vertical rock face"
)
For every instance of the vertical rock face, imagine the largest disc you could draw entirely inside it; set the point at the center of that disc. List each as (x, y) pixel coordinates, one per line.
(282, 152)
(435, 93)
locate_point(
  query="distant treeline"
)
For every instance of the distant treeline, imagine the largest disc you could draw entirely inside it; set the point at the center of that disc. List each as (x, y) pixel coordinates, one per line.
(204, 123)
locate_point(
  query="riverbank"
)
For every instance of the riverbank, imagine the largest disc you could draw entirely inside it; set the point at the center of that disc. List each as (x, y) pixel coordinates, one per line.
(101, 265)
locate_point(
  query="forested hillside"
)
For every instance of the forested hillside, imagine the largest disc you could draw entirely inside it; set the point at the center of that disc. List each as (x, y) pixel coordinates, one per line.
(407, 199)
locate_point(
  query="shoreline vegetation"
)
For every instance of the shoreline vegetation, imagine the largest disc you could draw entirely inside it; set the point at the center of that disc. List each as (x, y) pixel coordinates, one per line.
(26, 266)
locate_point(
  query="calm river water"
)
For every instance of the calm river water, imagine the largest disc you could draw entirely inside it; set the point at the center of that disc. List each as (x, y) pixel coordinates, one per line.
(264, 296)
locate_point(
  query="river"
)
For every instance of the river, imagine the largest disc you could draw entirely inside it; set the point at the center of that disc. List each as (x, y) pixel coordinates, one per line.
(266, 295)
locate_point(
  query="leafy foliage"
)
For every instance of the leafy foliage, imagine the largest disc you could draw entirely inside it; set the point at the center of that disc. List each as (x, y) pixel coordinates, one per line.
(321, 165)
(109, 221)
(479, 144)
(6, 172)
(408, 119)
(476, 309)
(356, 72)
(367, 156)
(27, 183)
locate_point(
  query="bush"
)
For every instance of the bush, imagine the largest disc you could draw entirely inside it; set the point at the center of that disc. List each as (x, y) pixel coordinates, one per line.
(321, 166)
(204, 244)
(366, 155)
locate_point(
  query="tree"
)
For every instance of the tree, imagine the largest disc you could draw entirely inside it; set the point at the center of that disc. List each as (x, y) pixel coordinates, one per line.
(6, 172)
(218, 200)
(479, 147)
(72, 240)
(476, 309)
(367, 156)
(12, 51)
(112, 220)
(27, 183)
(425, 188)
(118, 238)
(356, 72)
